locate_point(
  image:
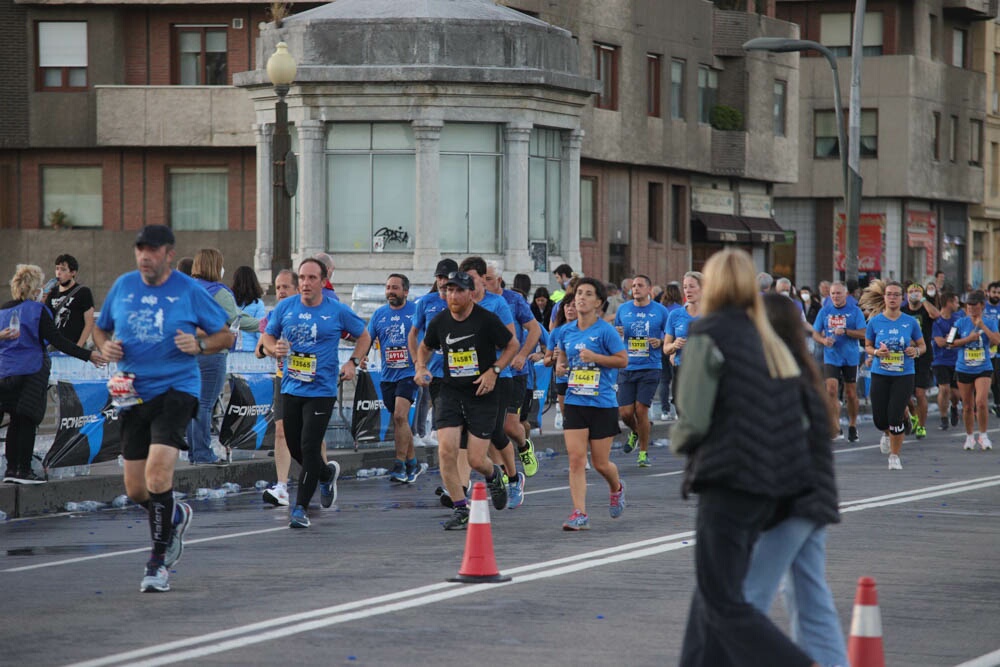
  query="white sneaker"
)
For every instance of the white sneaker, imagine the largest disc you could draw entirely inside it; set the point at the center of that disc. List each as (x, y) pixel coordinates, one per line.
(558, 424)
(276, 495)
(587, 467)
(894, 462)
(430, 440)
(883, 444)
(970, 443)
(985, 442)
(418, 441)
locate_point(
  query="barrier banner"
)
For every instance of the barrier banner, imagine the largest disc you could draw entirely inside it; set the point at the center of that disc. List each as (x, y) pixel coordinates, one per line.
(367, 413)
(540, 379)
(248, 422)
(88, 426)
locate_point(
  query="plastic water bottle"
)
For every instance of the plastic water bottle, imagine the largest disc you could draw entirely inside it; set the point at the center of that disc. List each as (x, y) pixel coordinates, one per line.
(215, 494)
(231, 487)
(15, 321)
(550, 453)
(261, 484)
(379, 472)
(364, 472)
(84, 506)
(3, 515)
(202, 493)
(234, 328)
(120, 501)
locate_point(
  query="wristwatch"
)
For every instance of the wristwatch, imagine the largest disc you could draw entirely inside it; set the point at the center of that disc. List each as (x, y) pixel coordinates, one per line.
(497, 370)
(202, 345)
(356, 361)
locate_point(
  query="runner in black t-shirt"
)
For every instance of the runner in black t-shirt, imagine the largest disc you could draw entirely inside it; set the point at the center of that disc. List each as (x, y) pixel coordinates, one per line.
(925, 313)
(468, 337)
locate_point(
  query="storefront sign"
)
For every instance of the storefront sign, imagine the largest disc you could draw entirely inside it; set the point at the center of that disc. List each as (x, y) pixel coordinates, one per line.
(755, 206)
(713, 201)
(871, 241)
(921, 232)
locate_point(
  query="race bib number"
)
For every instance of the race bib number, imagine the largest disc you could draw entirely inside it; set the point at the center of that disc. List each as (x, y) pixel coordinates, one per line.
(121, 389)
(975, 356)
(302, 366)
(463, 364)
(397, 357)
(584, 382)
(893, 363)
(638, 347)
(834, 322)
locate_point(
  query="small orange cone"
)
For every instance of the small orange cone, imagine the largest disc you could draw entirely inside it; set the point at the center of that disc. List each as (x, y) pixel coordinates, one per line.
(864, 647)
(479, 566)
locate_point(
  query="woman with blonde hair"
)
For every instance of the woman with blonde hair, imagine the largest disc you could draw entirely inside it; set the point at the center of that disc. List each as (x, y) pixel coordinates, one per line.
(745, 470)
(25, 326)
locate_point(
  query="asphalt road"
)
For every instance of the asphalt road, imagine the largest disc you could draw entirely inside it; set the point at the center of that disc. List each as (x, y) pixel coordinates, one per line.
(366, 584)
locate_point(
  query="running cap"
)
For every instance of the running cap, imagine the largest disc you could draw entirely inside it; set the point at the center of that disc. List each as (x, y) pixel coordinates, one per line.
(155, 236)
(461, 280)
(445, 268)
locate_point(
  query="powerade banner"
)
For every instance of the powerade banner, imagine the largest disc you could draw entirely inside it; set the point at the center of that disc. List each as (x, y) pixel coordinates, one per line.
(539, 381)
(249, 420)
(370, 421)
(88, 426)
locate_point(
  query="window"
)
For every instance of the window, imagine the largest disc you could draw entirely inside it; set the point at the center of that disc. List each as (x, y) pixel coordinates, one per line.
(606, 71)
(958, 41)
(471, 169)
(871, 41)
(200, 56)
(936, 147)
(827, 141)
(545, 187)
(780, 106)
(976, 143)
(199, 199)
(654, 216)
(935, 38)
(995, 168)
(76, 191)
(588, 207)
(677, 89)
(62, 55)
(837, 32)
(678, 202)
(995, 96)
(708, 89)
(653, 85)
(371, 176)
(953, 139)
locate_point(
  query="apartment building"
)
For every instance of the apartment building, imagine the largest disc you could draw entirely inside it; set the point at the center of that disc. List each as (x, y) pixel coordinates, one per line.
(984, 249)
(923, 116)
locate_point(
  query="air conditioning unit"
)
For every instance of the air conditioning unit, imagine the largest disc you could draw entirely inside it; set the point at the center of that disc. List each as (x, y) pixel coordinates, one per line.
(237, 24)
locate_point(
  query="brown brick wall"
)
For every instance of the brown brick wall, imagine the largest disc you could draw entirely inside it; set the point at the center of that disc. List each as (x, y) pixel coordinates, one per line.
(13, 99)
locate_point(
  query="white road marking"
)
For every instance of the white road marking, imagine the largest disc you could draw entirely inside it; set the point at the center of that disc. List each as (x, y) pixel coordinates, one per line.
(988, 660)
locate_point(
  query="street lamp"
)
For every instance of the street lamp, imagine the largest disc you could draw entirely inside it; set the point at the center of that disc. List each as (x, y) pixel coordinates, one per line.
(281, 72)
(784, 45)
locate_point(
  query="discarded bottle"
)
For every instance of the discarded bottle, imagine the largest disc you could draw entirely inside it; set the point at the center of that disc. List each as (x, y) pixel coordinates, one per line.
(120, 501)
(379, 472)
(364, 472)
(231, 487)
(550, 453)
(261, 484)
(84, 506)
(3, 515)
(215, 494)
(202, 493)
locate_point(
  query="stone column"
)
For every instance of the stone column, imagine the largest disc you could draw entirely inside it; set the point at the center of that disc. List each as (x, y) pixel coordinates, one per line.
(265, 207)
(426, 244)
(311, 191)
(515, 197)
(572, 141)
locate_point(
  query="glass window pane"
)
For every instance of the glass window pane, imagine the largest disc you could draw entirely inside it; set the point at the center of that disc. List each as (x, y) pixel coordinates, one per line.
(199, 199)
(53, 77)
(215, 69)
(76, 191)
(826, 124)
(469, 138)
(189, 41)
(392, 136)
(78, 77)
(835, 29)
(869, 122)
(62, 44)
(484, 203)
(394, 196)
(586, 208)
(873, 29)
(536, 199)
(453, 224)
(215, 41)
(349, 136)
(189, 69)
(349, 205)
(553, 203)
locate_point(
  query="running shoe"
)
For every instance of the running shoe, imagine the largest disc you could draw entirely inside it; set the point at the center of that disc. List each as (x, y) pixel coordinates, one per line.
(515, 492)
(617, 505)
(558, 424)
(944, 424)
(577, 521)
(894, 462)
(24, 477)
(328, 490)
(528, 459)
(914, 423)
(398, 472)
(459, 519)
(954, 415)
(985, 442)
(175, 547)
(970, 443)
(156, 579)
(908, 425)
(298, 518)
(840, 434)
(414, 471)
(852, 434)
(883, 444)
(276, 494)
(498, 488)
(643, 460)
(631, 443)
(920, 432)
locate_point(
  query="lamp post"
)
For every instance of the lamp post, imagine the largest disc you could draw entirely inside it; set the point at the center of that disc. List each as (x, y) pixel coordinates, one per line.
(281, 72)
(784, 45)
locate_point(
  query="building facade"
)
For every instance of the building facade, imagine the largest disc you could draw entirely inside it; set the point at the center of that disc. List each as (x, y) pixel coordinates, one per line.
(984, 248)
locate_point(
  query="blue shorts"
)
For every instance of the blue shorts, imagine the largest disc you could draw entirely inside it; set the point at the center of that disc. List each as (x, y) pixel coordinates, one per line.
(405, 389)
(637, 386)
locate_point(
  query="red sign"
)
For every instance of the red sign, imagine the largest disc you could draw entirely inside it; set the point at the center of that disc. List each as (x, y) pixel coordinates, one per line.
(871, 241)
(921, 232)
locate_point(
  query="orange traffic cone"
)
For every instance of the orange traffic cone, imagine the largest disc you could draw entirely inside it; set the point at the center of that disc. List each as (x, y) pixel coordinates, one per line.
(479, 566)
(864, 647)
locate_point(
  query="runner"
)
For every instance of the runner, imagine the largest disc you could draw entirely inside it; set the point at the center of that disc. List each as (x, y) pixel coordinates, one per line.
(468, 336)
(975, 335)
(838, 327)
(591, 352)
(306, 332)
(924, 312)
(642, 323)
(565, 314)
(148, 326)
(894, 340)
(945, 357)
(680, 320)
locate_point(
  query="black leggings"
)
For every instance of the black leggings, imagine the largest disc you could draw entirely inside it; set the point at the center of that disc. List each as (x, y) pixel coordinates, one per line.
(306, 419)
(20, 442)
(889, 396)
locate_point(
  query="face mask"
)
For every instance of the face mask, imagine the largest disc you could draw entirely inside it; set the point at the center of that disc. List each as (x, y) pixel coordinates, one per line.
(805, 297)
(783, 293)
(931, 293)
(914, 297)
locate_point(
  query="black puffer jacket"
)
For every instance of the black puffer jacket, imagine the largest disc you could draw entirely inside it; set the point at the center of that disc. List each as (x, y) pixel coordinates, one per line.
(821, 502)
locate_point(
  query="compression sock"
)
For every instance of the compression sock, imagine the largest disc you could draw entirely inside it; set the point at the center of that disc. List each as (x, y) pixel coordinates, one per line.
(161, 521)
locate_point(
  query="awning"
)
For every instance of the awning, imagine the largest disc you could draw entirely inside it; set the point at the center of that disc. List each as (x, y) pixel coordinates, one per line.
(764, 230)
(718, 227)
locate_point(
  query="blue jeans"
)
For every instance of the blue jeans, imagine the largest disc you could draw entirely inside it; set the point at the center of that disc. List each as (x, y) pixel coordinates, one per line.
(199, 431)
(798, 546)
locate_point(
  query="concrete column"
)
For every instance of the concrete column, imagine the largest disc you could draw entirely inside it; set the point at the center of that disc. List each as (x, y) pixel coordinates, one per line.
(426, 245)
(265, 208)
(572, 141)
(311, 191)
(515, 197)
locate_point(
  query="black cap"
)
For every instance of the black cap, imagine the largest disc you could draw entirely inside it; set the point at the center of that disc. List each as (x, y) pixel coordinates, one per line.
(155, 236)
(446, 267)
(979, 296)
(461, 280)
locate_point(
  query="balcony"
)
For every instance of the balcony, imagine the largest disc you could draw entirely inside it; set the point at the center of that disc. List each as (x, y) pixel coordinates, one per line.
(729, 152)
(198, 116)
(970, 10)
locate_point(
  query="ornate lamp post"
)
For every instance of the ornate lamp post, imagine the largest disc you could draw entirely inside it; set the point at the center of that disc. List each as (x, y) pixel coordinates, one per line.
(281, 71)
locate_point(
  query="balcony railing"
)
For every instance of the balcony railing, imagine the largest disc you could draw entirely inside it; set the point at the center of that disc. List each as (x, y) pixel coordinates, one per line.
(971, 10)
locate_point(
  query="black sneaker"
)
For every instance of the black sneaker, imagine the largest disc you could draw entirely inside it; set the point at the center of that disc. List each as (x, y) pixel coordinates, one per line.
(498, 488)
(25, 477)
(954, 415)
(944, 424)
(852, 434)
(459, 519)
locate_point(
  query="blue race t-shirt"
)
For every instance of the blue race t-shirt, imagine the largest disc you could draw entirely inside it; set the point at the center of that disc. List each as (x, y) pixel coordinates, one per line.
(590, 384)
(991, 313)
(146, 318)
(390, 327)
(640, 324)
(428, 306)
(974, 357)
(497, 305)
(556, 342)
(678, 324)
(897, 335)
(944, 356)
(845, 350)
(521, 312)
(312, 368)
